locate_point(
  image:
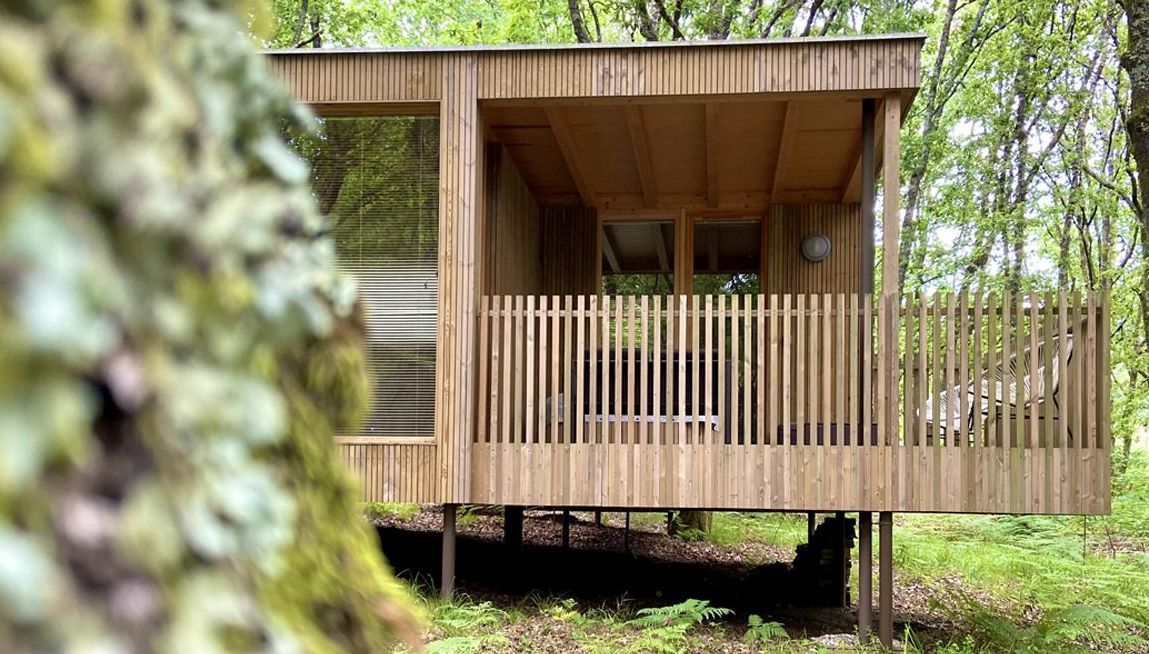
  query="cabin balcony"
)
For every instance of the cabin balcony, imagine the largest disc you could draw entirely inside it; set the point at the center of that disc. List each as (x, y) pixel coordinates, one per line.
(962, 403)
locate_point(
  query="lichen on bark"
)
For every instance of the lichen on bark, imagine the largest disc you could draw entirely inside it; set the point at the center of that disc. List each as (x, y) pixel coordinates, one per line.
(175, 349)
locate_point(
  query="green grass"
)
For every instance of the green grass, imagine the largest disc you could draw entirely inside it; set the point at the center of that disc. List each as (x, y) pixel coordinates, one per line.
(778, 529)
(379, 510)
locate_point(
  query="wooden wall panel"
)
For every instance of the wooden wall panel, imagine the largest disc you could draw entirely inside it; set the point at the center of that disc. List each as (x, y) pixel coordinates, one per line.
(334, 77)
(859, 65)
(513, 235)
(704, 69)
(788, 272)
(459, 273)
(902, 478)
(570, 251)
(391, 472)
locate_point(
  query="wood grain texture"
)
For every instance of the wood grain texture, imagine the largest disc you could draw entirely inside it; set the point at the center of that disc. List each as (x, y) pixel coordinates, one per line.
(788, 272)
(615, 71)
(569, 243)
(512, 236)
(459, 274)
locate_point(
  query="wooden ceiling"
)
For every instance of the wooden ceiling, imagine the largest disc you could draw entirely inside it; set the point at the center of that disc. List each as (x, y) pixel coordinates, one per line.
(717, 155)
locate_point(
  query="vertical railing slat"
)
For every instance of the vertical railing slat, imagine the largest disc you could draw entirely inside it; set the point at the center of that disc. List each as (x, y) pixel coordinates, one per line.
(696, 366)
(580, 400)
(1005, 394)
(680, 368)
(747, 368)
(529, 385)
(800, 368)
(657, 352)
(506, 390)
(761, 359)
(709, 371)
(787, 388)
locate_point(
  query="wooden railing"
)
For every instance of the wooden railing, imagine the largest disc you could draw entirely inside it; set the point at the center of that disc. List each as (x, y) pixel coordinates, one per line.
(794, 401)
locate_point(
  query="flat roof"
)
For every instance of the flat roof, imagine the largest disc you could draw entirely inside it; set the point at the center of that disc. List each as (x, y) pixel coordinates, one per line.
(618, 45)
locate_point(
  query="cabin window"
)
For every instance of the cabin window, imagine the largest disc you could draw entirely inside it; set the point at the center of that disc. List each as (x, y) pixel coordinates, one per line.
(727, 256)
(377, 179)
(638, 257)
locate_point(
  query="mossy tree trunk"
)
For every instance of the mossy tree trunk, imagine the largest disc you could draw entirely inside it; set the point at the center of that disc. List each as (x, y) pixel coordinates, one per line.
(175, 349)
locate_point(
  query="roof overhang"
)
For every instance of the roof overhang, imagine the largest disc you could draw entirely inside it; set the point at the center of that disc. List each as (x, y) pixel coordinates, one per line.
(713, 125)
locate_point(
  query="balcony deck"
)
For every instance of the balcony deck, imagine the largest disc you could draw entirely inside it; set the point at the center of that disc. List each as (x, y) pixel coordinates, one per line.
(781, 403)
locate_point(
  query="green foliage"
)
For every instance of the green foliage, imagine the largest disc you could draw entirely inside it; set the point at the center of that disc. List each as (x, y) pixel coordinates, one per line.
(761, 632)
(664, 629)
(175, 349)
(379, 510)
(467, 627)
(1077, 627)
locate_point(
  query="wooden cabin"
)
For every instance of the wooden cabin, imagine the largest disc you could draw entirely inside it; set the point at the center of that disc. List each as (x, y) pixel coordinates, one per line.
(642, 277)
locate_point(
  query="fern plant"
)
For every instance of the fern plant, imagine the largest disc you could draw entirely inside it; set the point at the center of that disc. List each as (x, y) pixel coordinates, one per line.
(761, 632)
(465, 619)
(664, 628)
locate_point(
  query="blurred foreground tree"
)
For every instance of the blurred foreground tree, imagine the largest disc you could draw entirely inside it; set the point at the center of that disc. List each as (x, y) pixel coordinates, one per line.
(175, 350)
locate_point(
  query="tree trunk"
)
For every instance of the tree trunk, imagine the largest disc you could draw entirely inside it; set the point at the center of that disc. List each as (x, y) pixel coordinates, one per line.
(1135, 61)
(698, 520)
(176, 485)
(577, 22)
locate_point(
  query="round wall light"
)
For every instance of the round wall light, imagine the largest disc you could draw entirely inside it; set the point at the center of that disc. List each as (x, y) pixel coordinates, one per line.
(815, 247)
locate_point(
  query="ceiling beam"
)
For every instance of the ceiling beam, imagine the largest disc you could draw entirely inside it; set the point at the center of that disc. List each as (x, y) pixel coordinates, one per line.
(712, 123)
(642, 161)
(660, 247)
(608, 252)
(786, 131)
(557, 116)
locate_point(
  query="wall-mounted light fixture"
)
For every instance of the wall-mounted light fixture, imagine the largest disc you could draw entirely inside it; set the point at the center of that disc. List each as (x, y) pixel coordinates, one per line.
(815, 247)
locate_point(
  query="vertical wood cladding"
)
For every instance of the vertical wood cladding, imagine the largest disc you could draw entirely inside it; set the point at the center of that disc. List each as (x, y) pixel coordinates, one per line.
(458, 271)
(513, 233)
(569, 244)
(861, 65)
(788, 272)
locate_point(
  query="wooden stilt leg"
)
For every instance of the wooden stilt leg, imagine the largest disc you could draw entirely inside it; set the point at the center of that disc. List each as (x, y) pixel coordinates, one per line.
(845, 559)
(566, 528)
(626, 533)
(811, 518)
(513, 527)
(865, 576)
(447, 585)
(886, 578)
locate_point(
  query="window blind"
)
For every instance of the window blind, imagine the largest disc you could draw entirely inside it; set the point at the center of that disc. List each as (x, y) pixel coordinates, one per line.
(377, 179)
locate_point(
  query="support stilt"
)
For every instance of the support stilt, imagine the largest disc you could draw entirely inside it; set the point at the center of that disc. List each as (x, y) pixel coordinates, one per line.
(886, 578)
(811, 519)
(566, 529)
(845, 561)
(626, 533)
(865, 576)
(598, 518)
(513, 527)
(447, 585)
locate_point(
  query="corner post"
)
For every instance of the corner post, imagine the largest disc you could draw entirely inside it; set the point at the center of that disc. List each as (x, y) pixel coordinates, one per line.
(891, 191)
(891, 282)
(886, 578)
(865, 576)
(460, 148)
(447, 583)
